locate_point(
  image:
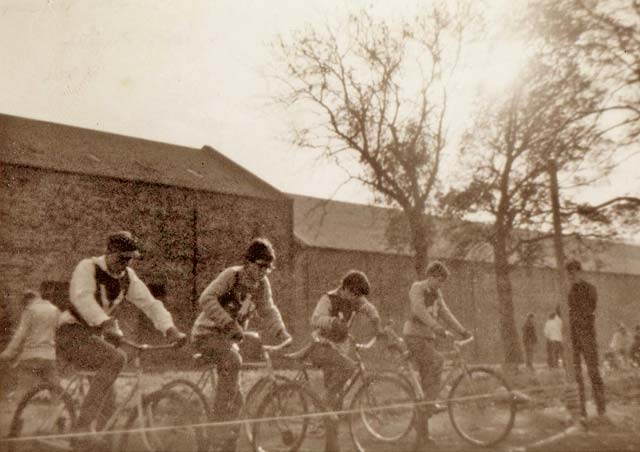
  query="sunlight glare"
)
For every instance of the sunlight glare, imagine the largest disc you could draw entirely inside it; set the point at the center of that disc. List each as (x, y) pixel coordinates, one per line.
(501, 66)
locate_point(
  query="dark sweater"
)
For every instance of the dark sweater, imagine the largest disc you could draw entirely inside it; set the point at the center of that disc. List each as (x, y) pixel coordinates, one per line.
(583, 298)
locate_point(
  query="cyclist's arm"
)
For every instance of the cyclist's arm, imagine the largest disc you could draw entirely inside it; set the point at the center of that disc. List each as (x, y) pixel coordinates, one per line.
(321, 317)
(82, 289)
(208, 300)
(449, 319)
(372, 314)
(269, 312)
(154, 309)
(17, 341)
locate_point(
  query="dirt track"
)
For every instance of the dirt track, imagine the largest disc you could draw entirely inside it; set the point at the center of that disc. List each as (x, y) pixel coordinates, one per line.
(543, 417)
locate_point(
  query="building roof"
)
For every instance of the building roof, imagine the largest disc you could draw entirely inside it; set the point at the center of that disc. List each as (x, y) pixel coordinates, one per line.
(341, 225)
(324, 223)
(41, 144)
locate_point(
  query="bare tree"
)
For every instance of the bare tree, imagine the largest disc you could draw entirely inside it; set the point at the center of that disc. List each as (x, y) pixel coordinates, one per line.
(374, 95)
(546, 121)
(606, 35)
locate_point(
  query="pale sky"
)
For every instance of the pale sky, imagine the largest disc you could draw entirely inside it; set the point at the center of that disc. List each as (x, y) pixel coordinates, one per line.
(183, 72)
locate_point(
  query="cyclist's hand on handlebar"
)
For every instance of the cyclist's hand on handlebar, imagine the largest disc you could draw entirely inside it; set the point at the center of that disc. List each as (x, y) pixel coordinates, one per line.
(233, 330)
(282, 336)
(175, 336)
(112, 332)
(466, 334)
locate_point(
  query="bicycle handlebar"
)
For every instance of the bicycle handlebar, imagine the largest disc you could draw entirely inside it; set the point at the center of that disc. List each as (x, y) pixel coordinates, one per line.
(280, 346)
(461, 343)
(365, 345)
(148, 347)
(268, 348)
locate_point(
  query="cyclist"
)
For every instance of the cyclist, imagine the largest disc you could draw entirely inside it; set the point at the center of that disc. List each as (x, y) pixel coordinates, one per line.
(331, 320)
(98, 285)
(427, 309)
(227, 304)
(32, 346)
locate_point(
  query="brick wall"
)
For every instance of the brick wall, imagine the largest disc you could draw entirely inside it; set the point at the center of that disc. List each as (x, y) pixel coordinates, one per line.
(470, 293)
(50, 220)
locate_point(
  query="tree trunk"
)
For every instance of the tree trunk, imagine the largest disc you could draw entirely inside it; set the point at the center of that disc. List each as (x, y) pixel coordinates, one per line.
(554, 192)
(417, 225)
(508, 330)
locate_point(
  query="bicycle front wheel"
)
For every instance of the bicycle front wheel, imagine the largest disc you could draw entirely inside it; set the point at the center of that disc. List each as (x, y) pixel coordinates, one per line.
(43, 413)
(254, 398)
(282, 420)
(482, 407)
(383, 412)
(168, 424)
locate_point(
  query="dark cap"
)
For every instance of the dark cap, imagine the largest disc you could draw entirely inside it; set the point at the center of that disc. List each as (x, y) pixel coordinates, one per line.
(123, 242)
(574, 265)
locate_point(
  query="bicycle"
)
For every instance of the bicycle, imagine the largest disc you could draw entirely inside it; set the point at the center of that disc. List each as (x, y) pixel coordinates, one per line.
(480, 402)
(195, 392)
(46, 415)
(381, 403)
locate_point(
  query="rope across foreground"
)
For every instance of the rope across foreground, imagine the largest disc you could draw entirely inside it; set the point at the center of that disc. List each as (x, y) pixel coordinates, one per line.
(334, 414)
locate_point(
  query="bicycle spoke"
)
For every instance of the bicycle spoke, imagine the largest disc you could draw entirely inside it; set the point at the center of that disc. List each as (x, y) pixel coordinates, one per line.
(383, 412)
(43, 411)
(482, 408)
(281, 423)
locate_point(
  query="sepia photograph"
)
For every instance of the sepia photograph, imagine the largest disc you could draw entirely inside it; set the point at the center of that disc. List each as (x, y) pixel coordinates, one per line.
(320, 225)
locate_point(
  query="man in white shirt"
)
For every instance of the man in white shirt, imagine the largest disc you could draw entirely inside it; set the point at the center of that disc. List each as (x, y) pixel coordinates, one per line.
(553, 334)
(98, 285)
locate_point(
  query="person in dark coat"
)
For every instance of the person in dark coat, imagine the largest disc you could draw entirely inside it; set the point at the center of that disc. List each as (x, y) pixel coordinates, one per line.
(529, 340)
(583, 299)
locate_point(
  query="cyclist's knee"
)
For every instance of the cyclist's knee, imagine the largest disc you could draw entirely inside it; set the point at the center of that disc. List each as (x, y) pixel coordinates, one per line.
(230, 366)
(116, 359)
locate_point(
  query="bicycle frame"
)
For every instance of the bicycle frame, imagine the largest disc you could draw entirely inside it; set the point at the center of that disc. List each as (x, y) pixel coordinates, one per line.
(360, 373)
(454, 366)
(75, 387)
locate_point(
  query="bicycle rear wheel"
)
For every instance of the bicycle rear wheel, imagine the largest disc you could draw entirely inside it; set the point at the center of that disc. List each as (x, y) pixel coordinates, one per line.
(44, 412)
(169, 424)
(383, 412)
(196, 403)
(482, 407)
(282, 420)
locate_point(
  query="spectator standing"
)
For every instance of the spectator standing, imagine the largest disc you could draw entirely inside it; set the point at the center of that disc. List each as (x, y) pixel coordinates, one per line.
(553, 335)
(529, 340)
(634, 352)
(619, 346)
(583, 299)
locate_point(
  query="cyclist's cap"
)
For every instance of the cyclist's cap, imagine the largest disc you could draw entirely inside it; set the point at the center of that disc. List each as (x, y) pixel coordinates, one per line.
(123, 242)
